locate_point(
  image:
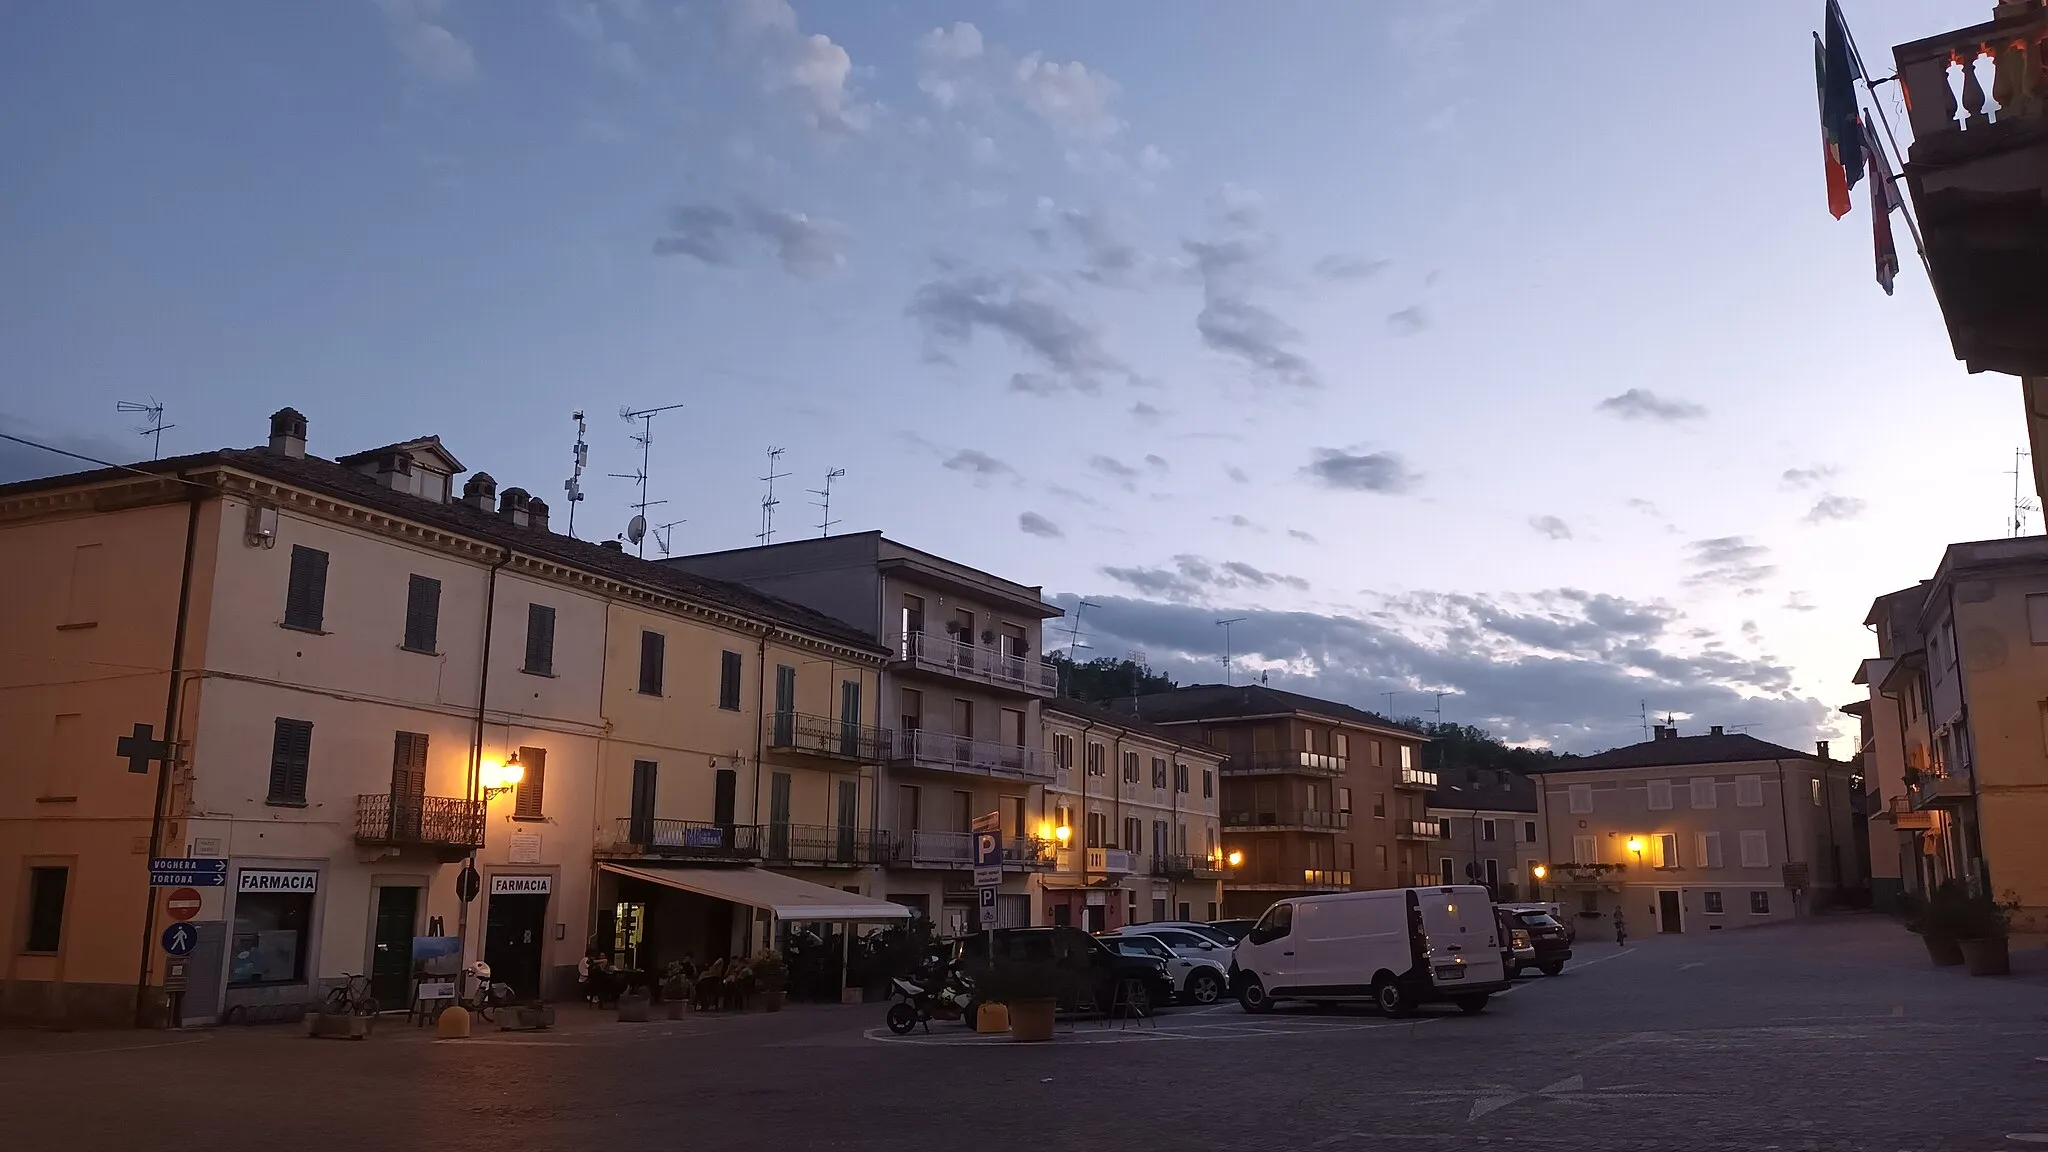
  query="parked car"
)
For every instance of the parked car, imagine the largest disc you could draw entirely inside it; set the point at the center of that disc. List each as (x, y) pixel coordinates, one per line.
(1221, 940)
(1144, 979)
(1200, 978)
(1517, 951)
(1235, 929)
(1556, 912)
(1397, 948)
(1550, 940)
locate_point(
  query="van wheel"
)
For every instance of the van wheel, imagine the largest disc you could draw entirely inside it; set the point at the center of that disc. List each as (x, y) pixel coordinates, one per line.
(1473, 1005)
(1251, 996)
(1204, 988)
(1392, 999)
(1553, 968)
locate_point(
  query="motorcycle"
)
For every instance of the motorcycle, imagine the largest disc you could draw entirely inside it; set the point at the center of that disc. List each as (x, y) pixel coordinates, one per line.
(485, 996)
(943, 995)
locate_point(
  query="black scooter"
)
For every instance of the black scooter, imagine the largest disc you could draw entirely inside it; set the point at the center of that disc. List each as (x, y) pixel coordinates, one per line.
(940, 993)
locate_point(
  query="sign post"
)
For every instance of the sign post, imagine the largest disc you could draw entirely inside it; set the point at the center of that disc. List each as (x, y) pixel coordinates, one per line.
(988, 871)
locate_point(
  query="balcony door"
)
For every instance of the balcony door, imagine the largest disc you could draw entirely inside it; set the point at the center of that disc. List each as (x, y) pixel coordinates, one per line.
(963, 731)
(778, 816)
(785, 705)
(845, 816)
(849, 718)
(911, 625)
(640, 825)
(408, 786)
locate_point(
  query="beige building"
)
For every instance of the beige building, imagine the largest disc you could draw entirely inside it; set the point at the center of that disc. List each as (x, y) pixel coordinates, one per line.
(961, 691)
(1698, 833)
(1141, 807)
(1489, 831)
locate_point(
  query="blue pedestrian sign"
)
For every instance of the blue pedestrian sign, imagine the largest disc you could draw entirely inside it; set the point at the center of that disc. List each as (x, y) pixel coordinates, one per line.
(187, 872)
(179, 939)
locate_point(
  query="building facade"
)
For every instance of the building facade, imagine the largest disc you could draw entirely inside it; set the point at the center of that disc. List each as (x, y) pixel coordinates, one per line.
(1489, 831)
(1140, 804)
(1317, 796)
(1698, 833)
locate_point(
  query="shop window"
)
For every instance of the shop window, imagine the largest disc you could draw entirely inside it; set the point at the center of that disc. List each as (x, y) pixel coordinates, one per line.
(46, 888)
(270, 937)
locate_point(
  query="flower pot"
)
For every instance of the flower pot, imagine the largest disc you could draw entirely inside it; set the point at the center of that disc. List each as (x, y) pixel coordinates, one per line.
(1943, 951)
(1031, 1020)
(676, 1008)
(772, 1001)
(1986, 957)
(633, 1008)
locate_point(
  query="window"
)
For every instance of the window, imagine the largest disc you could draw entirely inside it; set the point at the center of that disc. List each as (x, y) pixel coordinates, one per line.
(540, 640)
(272, 913)
(1756, 849)
(2037, 617)
(1749, 791)
(1447, 871)
(1703, 791)
(1162, 843)
(82, 605)
(653, 657)
(1660, 795)
(1760, 903)
(1379, 856)
(1712, 902)
(1443, 828)
(1492, 873)
(1589, 901)
(1343, 799)
(1095, 761)
(533, 780)
(422, 614)
(1486, 829)
(1585, 850)
(305, 598)
(1347, 856)
(911, 703)
(1707, 849)
(1667, 850)
(729, 681)
(1379, 805)
(1180, 778)
(1582, 797)
(1013, 733)
(1528, 831)
(1063, 751)
(1130, 767)
(1407, 756)
(1159, 772)
(291, 748)
(1134, 834)
(912, 615)
(1816, 790)
(1098, 829)
(1340, 745)
(46, 908)
(1208, 783)
(1379, 755)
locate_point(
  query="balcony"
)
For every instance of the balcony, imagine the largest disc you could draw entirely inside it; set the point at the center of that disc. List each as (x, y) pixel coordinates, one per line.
(1414, 778)
(1111, 861)
(1256, 879)
(1287, 820)
(956, 850)
(823, 846)
(943, 752)
(1419, 829)
(1903, 816)
(449, 825)
(1978, 172)
(989, 665)
(806, 735)
(686, 840)
(1285, 763)
(1928, 790)
(1182, 867)
(1421, 880)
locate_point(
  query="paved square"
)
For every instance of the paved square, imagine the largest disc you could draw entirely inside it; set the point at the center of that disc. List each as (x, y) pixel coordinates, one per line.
(1831, 1035)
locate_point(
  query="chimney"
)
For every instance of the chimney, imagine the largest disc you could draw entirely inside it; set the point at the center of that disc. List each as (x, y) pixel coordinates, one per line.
(512, 505)
(1666, 732)
(537, 513)
(1716, 731)
(288, 433)
(480, 491)
(1821, 746)
(614, 545)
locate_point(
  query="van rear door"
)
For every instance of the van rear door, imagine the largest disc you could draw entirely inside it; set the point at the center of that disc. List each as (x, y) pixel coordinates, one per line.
(1462, 936)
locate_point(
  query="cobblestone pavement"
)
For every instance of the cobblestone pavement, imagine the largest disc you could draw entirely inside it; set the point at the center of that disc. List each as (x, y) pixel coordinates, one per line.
(1827, 1035)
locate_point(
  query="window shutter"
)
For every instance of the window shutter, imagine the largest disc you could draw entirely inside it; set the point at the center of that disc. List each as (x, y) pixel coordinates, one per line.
(1581, 797)
(291, 747)
(540, 639)
(1703, 792)
(1756, 850)
(1660, 795)
(1749, 791)
(422, 613)
(305, 599)
(527, 800)
(653, 650)
(1584, 850)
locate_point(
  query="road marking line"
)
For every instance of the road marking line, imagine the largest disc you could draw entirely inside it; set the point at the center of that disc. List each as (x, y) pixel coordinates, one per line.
(98, 1051)
(1694, 964)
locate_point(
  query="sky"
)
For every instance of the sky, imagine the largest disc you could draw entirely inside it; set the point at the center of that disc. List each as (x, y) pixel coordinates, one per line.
(1499, 350)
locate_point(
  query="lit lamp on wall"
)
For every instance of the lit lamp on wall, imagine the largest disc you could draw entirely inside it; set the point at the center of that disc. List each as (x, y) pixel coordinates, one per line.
(1635, 845)
(1539, 871)
(1235, 859)
(498, 779)
(1063, 834)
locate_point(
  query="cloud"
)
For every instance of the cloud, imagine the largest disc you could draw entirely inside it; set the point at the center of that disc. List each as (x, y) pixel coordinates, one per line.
(1035, 525)
(22, 462)
(429, 47)
(1152, 161)
(1409, 321)
(1236, 474)
(612, 53)
(1646, 507)
(943, 54)
(1025, 312)
(1156, 462)
(1643, 404)
(1383, 472)
(807, 246)
(811, 71)
(1339, 266)
(1566, 667)
(1729, 562)
(1797, 602)
(1240, 521)
(1304, 537)
(1806, 477)
(1551, 526)
(980, 465)
(1832, 507)
(1114, 469)
(1146, 412)
(1069, 97)
(1072, 496)
(1193, 578)
(1111, 260)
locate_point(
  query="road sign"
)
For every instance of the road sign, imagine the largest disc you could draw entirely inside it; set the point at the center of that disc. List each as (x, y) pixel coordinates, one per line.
(467, 883)
(187, 872)
(988, 850)
(992, 822)
(987, 908)
(179, 939)
(988, 879)
(182, 904)
(174, 975)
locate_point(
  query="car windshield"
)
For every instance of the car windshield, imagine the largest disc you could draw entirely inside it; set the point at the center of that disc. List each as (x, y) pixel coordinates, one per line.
(1537, 920)
(1143, 946)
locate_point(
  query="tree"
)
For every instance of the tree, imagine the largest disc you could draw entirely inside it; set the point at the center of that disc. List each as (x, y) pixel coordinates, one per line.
(1107, 678)
(1465, 746)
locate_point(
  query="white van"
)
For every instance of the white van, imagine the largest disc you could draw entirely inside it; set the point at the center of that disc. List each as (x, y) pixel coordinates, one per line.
(1397, 948)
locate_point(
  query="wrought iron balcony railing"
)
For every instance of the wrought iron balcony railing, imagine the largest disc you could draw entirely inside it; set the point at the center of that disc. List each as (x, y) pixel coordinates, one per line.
(824, 736)
(1288, 819)
(688, 839)
(427, 821)
(823, 845)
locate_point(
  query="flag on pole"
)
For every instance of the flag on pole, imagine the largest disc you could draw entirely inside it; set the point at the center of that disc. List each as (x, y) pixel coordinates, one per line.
(1884, 196)
(1840, 117)
(1838, 179)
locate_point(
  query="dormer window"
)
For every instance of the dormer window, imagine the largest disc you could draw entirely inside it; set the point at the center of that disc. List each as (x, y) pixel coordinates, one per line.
(419, 468)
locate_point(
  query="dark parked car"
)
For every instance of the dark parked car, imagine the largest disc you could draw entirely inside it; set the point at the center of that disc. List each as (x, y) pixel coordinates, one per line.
(1550, 938)
(1145, 981)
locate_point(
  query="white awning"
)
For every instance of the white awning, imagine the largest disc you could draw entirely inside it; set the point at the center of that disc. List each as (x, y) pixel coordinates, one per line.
(786, 897)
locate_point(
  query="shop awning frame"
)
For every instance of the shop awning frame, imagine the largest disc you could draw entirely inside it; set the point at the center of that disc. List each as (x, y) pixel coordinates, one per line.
(785, 897)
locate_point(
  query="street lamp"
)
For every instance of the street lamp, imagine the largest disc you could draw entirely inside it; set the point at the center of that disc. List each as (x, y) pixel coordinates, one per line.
(1235, 859)
(1063, 834)
(1635, 845)
(498, 779)
(1539, 871)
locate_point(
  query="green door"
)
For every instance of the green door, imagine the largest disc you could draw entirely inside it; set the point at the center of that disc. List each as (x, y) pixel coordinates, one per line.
(391, 960)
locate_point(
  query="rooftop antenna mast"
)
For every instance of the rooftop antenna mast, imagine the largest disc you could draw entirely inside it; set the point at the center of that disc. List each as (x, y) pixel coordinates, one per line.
(636, 530)
(663, 534)
(579, 459)
(154, 427)
(1643, 711)
(1390, 703)
(2020, 504)
(824, 501)
(768, 502)
(1225, 625)
(1439, 709)
(1137, 658)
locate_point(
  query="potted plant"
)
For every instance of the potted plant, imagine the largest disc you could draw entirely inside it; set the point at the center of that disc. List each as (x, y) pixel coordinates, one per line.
(1981, 927)
(771, 977)
(676, 987)
(1937, 921)
(634, 1005)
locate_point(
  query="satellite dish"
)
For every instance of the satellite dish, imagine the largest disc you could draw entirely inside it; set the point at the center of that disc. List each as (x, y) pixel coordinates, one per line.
(636, 529)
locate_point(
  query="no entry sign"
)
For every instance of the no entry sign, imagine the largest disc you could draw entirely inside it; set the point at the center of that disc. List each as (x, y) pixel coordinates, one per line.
(182, 903)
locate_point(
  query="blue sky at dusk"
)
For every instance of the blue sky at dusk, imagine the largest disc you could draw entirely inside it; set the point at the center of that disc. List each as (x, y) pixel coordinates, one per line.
(1500, 349)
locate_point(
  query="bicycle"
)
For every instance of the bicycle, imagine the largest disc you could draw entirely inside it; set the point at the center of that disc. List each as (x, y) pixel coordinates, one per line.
(353, 997)
(487, 996)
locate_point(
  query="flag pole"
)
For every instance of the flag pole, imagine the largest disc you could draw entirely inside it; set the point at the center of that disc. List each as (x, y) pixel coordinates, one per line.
(1870, 89)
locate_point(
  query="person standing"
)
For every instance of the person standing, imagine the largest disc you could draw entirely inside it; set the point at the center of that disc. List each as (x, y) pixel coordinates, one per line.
(1620, 929)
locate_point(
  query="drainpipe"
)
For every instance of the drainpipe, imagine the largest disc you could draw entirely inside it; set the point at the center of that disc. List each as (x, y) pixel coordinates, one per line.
(760, 716)
(1085, 729)
(1785, 815)
(476, 745)
(193, 500)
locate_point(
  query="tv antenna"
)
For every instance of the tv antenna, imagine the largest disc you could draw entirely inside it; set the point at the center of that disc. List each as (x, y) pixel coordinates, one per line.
(579, 459)
(1643, 710)
(768, 501)
(636, 529)
(824, 501)
(1225, 625)
(663, 534)
(1439, 709)
(154, 426)
(1137, 658)
(2020, 504)
(1390, 703)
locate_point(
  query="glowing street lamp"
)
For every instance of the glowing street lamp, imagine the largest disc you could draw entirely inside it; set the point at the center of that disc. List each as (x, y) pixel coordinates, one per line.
(1235, 859)
(1635, 845)
(1063, 834)
(498, 779)
(1539, 871)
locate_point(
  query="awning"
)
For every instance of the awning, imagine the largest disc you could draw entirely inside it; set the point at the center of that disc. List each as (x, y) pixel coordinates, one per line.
(788, 898)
